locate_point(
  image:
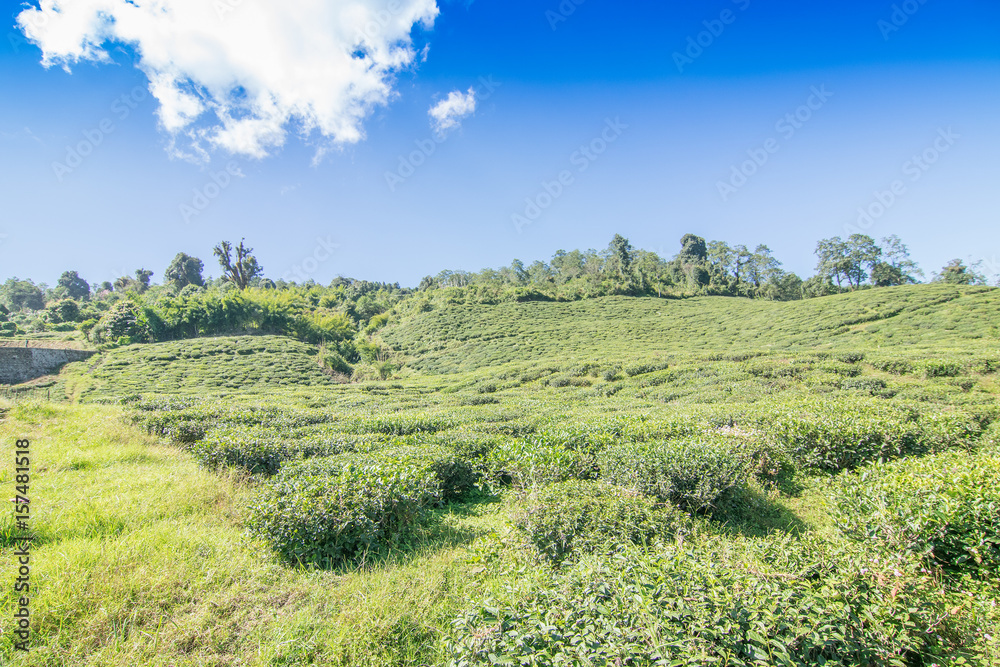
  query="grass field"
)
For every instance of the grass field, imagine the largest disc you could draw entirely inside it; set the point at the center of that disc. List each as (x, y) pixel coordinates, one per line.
(614, 481)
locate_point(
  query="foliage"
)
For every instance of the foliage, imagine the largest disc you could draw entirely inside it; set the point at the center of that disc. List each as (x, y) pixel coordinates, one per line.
(783, 601)
(945, 508)
(75, 287)
(122, 325)
(328, 511)
(692, 473)
(240, 270)
(185, 270)
(570, 519)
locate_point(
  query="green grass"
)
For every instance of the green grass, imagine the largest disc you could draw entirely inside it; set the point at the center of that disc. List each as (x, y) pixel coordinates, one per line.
(142, 559)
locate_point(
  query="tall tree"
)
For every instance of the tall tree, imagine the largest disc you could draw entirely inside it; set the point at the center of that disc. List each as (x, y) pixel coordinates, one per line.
(693, 250)
(621, 254)
(75, 286)
(185, 270)
(22, 295)
(761, 266)
(862, 254)
(240, 270)
(957, 273)
(832, 260)
(896, 267)
(721, 256)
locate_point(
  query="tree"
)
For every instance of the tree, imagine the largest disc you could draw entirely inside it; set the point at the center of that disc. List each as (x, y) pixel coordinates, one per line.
(721, 256)
(693, 250)
(832, 260)
(761, 266)
(957, 273)
(622, 254)
(241, 271)
(861, 257)
(783, 286)
(22, 295)
(75, 287)
(138, 284)
(896, 268)
(185, 270)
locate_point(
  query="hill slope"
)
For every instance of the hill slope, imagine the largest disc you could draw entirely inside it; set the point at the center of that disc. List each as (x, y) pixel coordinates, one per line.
(243, 363)
(465, 337)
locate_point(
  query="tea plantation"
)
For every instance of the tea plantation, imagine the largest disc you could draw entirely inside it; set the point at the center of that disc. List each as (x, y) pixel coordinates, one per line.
(615, 481)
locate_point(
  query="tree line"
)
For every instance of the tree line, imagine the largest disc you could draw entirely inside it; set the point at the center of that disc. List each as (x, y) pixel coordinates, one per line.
(345, 314)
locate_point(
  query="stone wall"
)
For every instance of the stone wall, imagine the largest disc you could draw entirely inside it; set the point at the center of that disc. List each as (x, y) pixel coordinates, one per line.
(20, 364)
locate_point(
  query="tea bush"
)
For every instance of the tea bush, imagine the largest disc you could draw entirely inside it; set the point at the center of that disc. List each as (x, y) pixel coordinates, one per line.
(568, 519)
(941, 368)
(944, 507)
(524, 464)
(259, 450)
(692, 473)
(331, 510)
(766, 602)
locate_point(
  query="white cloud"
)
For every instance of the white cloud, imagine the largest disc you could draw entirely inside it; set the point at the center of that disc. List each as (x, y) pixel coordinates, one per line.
(239, 74)
(449, 112)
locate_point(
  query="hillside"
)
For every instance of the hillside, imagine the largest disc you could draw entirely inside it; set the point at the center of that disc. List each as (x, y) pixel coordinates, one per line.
(210, 365)
(921, 318)
(702, 450)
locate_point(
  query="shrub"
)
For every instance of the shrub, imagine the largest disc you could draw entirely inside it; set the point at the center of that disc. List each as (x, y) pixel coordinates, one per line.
(693, 473)
(454, 473)
(572, 518)
(870, 385)
(334, 361)
(257, 450)
(771, 369)
(526, 464)
(765, 602)
(328, 511)
(944, 507)
(940, 368)
(851, 357)
(894, 366)
(123, 324)
(839, 368)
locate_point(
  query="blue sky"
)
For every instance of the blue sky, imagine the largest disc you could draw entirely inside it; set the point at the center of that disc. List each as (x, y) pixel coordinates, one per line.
(780, 127)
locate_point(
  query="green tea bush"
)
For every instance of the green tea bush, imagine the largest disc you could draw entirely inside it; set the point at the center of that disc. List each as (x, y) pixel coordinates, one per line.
(893, 366)
(454, 473)
(771, 369)
(342, 509)
(869, 385)
(840, 368)
(692, 473)
(259, 450)
(525, 464)
(762, 602)
(847, 432)
(941, 368)
(944, 507)
(568, 519)
(852, 357)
